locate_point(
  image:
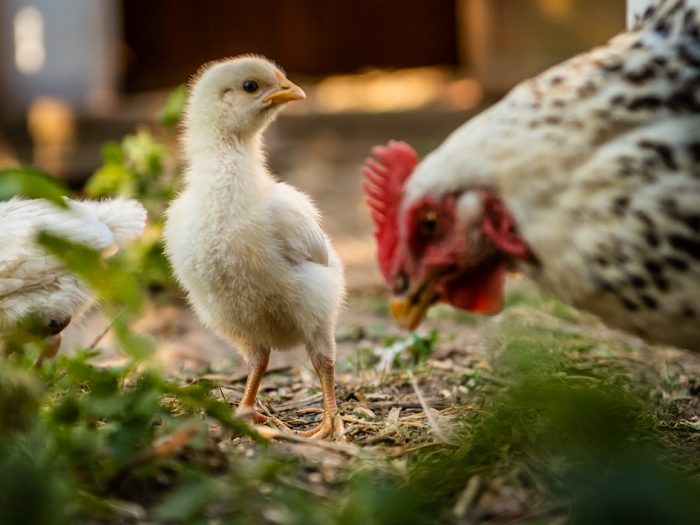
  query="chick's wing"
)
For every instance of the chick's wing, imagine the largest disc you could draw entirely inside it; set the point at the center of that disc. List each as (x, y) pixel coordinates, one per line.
(296, 226)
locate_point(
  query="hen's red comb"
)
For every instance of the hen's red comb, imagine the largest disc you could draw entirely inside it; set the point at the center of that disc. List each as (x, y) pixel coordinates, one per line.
(385, 175)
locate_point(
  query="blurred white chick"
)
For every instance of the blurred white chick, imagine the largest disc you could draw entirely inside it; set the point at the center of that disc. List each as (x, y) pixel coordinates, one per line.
(35, 284)
(248, 249)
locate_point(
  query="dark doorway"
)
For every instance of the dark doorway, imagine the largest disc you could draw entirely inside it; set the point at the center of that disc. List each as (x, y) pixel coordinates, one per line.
(168, 41)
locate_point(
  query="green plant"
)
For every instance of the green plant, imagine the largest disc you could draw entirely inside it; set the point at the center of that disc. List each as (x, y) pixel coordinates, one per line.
(144, 166)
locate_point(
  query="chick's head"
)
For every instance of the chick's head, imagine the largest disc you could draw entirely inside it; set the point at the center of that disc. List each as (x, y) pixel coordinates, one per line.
(238, 98)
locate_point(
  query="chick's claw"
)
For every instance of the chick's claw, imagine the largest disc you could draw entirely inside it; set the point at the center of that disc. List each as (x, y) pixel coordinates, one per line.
(330, 427)
(252, 415)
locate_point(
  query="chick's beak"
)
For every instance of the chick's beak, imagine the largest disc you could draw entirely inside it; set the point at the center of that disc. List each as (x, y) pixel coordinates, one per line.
(409, 309)
(287, 92)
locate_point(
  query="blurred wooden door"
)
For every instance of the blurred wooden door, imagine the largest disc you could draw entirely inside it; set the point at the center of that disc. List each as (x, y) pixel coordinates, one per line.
(506, 41)
(168, 41)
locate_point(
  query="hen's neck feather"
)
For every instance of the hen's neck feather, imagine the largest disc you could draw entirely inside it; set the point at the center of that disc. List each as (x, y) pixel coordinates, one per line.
(528, 145)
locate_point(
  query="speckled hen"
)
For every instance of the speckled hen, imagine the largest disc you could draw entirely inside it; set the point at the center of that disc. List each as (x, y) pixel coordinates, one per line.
(586, 177)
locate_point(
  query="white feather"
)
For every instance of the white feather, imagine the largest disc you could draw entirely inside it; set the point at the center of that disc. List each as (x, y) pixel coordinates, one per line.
(33, 282)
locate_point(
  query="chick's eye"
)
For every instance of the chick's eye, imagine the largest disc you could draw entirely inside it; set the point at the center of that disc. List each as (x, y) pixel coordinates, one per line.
(428, 224)
(250, 86)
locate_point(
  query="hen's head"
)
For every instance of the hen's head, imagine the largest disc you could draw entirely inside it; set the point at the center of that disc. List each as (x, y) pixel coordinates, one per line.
(451, 247)
(237, 97)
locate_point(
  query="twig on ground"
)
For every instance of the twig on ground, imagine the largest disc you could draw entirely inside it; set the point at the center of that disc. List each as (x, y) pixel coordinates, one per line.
(431, 420)
(104, 332)
(338, 448)
(405, 404)
(410, 450)
(468, 497)
(165, 446)
(294, 405)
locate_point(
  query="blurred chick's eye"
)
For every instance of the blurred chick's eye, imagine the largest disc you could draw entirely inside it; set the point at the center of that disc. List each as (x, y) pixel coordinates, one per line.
(428, 224)
(250, 86)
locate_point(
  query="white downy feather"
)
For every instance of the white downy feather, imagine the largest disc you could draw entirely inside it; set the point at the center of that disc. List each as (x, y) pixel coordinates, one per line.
(33, 282)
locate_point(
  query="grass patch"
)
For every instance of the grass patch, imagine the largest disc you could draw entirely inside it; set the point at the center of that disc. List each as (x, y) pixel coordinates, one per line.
(557, 431)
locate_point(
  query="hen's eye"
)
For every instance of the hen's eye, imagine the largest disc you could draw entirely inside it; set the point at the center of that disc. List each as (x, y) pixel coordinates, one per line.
(428, 224)
(401, 283)
(250, 86)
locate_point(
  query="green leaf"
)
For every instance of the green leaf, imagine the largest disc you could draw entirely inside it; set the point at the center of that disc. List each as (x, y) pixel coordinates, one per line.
(171, 112)
(143, 153)
(20, 393)
(197, 396)
(137, 346)
(188, 499)
(112, 153)
(111, 179)
(31, 183)
(112, 285)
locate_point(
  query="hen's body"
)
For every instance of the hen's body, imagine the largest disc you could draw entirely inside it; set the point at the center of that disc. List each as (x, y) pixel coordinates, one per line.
(586, 176)
(34, 283)
(598, 161)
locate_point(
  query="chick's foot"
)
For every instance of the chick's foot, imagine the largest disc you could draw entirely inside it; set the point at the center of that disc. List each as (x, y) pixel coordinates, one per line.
(331, 427)
(257, 364)
(332, 424)
(250, 414)
(53, 343)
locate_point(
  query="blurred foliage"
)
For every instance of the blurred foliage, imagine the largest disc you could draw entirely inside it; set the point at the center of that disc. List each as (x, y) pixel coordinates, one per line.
(133, 168)
(543, 302)
(587, 436)
(104, 437)
(421, 347)
(30, 183)
(115, 285)
(144, 166)
(583, 438)
(174, 107)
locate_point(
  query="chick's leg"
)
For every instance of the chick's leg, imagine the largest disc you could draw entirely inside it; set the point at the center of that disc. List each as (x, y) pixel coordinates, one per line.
(257, 365)
(53, 343)
(52, 329)
(331, 424)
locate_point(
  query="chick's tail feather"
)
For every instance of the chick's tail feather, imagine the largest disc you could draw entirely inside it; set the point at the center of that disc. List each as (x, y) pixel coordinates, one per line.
(125, 218)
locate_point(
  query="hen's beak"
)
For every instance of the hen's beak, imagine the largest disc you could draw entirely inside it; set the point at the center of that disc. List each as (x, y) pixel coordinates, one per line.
(287, 92)
(408, 310)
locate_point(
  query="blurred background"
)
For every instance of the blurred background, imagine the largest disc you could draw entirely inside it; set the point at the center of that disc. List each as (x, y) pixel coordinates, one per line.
(77, 73)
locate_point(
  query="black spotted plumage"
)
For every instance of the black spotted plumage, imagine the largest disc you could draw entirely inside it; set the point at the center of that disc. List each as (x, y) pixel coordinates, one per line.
(598, 160)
